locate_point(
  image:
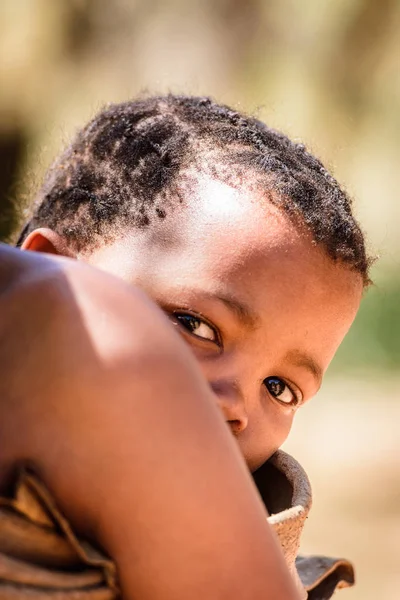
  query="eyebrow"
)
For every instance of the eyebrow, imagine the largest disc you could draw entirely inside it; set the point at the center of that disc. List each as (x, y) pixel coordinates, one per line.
(301, 359)
(250, 318)
(244, 313)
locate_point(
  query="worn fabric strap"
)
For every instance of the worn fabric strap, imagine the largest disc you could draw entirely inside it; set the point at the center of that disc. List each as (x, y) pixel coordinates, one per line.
(40, 556)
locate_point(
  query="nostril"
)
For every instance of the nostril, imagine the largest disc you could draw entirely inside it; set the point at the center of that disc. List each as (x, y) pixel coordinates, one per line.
(236, 425)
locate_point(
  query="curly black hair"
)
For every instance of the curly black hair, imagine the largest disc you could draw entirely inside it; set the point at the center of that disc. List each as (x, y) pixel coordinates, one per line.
(124, 169)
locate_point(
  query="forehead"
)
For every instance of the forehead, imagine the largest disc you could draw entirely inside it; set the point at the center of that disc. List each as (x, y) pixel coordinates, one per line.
(235, 222)
(219, 219)
(232, 232)
(233, 236)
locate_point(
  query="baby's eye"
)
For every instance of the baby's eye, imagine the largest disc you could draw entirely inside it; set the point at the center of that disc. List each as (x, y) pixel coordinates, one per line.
(197, 326)
(280, 390)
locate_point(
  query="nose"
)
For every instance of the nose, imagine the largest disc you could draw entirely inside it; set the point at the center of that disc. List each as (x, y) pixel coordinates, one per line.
(231, 401)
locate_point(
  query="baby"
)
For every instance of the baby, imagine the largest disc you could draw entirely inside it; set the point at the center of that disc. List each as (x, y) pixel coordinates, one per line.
(240, 236)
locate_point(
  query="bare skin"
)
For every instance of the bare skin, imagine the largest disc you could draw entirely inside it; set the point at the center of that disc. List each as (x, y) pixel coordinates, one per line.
(263, 311)
(127, 435)
(293, 306)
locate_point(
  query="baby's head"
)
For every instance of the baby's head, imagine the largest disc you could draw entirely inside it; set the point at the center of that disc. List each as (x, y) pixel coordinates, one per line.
(240, 235)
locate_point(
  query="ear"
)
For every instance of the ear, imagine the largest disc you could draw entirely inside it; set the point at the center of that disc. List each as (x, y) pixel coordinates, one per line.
(47, 240)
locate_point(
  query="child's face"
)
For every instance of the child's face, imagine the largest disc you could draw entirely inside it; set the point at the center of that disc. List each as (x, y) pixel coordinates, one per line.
(262, 308)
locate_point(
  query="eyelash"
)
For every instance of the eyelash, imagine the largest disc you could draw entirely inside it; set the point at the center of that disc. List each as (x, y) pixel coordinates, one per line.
(297, 399)
(197, 317)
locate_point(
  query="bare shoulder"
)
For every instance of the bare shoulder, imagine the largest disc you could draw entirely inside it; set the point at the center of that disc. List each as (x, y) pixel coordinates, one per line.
(15, 265)
(47, 291)
(103, 397)
(71, 335)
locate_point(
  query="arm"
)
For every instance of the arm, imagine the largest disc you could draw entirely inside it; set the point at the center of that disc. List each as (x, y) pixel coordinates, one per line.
(105, 397)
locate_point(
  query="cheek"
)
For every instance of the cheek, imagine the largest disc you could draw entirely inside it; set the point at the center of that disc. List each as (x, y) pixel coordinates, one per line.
(269, 423)
(206, 355)
(266, 432)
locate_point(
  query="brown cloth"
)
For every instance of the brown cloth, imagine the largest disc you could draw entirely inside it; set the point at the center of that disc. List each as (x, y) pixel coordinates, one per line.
(286, 492)
(41, 558)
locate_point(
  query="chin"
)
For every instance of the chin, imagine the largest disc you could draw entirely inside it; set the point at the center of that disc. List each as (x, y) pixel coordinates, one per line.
(255, 462)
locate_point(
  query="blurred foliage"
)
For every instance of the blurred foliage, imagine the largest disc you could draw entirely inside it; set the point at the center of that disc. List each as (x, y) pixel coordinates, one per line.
(325, 72)
(374, 339)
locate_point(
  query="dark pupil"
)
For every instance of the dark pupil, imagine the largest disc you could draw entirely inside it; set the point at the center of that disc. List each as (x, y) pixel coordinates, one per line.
(275, 386)
(191, 323)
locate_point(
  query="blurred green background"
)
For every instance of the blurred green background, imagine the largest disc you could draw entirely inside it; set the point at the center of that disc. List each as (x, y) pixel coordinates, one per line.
(327, 73)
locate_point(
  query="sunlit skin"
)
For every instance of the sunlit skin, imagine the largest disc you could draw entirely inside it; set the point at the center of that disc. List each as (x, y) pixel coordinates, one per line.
(262, 307)
(142, 465)
(111, 408)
